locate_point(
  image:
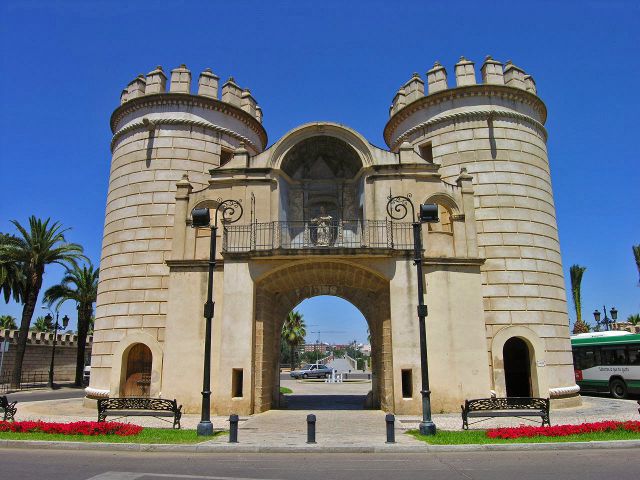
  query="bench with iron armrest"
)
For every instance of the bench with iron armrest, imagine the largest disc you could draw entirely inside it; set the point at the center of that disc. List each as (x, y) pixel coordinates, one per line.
(519, 407)
(139, 407)
(9, 409)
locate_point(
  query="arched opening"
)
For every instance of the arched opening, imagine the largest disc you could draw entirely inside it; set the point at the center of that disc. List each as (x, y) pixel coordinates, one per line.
(332, 365)
(280, 292)
(137, 381)
(321, 194)
(441, 241)
(517, 368)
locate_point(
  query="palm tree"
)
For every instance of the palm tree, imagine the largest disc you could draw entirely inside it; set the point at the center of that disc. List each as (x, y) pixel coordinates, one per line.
(11, 273)
(293, 332)
(576, 272)
(42, 324)
(79, 284)
(33, 250)
(634, 319)
(7, 322)
(636, 254)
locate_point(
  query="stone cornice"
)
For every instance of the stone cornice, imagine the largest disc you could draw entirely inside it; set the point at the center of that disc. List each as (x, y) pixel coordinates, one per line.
(191, 100)
(452, 261)
(466, 116)
(182, 121)
(483, 90)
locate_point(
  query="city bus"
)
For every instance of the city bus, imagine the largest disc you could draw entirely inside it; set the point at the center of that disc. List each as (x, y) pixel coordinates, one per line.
(607, 362)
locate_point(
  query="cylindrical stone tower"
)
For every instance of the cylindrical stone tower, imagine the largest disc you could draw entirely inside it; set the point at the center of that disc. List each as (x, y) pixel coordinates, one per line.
(496, 131)
(158, 136)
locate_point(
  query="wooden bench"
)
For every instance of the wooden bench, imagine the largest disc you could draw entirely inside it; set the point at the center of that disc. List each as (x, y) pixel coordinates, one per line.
(9, 409)
(139, 407)
(519, 407)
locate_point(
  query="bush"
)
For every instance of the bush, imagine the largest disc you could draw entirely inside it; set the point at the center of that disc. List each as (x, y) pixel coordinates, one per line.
(74, 428)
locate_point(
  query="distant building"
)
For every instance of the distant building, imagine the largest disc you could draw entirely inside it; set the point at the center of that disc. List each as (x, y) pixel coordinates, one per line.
(365, 349)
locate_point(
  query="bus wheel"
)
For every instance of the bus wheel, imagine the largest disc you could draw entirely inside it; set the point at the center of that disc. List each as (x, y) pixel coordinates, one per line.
(618, 388)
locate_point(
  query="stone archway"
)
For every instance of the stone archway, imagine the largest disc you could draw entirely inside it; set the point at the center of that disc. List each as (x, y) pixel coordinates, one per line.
(280, 291)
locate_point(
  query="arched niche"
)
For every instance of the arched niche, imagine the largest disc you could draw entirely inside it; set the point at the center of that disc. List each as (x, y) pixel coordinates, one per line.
(440, 240)
(121, 355)
(321, 166)
(536, 351)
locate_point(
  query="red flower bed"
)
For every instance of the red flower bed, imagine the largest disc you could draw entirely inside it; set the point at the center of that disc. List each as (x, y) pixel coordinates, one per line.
(563, 430)
(74, 428)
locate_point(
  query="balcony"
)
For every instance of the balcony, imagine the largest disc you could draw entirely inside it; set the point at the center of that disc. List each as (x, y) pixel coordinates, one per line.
(361, 234)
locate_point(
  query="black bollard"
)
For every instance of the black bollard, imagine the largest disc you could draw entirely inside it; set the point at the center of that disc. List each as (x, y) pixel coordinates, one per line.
(311, 428)
(391, 431)
(233, 428)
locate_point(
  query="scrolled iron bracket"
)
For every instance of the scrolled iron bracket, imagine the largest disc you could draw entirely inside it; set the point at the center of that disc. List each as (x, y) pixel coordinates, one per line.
(398, 207)
(231, 211)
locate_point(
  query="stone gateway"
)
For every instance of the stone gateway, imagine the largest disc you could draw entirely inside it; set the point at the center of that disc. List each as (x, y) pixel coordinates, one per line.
(313, 220)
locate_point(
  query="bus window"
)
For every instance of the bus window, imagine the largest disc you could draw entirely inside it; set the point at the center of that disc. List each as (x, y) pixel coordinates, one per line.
(634, 354)
(584, 357)
(614, 356)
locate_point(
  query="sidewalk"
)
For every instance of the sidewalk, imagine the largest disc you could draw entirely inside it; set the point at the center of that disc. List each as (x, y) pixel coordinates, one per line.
(346, 427)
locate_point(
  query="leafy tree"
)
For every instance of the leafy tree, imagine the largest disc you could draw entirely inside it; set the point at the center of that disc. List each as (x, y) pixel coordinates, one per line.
(42, 244)
(634, 319)
(580, 327)
(576, 272)
(79, 284)
(11, 272)
(293, 333)
(7, 322)
(636, 255)
(339, 353)
(42, 324)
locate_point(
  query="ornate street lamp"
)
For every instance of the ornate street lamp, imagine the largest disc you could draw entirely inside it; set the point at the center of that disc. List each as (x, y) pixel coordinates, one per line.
(606, 321)
(398, 209)
(56, 327)
(201, 218)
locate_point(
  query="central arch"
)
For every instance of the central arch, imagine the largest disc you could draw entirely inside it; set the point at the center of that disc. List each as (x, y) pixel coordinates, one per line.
(279, 292)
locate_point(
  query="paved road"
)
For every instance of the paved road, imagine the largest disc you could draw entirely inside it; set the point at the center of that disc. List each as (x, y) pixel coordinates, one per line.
(83, 465)
(46, 394)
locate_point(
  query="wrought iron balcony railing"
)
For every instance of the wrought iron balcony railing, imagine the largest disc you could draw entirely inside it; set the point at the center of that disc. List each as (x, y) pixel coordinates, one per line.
(311, 235)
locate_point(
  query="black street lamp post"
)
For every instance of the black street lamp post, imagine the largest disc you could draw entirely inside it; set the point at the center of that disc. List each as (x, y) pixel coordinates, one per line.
(56, 327)
(606, 321)
(397, 209)
(200, 218)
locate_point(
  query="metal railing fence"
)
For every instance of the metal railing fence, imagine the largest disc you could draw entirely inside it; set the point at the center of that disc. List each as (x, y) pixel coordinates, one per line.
(309, 235)
(28, 380)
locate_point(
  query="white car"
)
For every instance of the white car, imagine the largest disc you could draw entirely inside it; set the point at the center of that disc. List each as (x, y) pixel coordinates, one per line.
(86, 374)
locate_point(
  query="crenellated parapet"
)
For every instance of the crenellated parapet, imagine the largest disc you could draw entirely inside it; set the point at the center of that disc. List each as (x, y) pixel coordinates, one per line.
(155, 82)
(442, 98)
(43, 338)
(171, 99)
(492, 73)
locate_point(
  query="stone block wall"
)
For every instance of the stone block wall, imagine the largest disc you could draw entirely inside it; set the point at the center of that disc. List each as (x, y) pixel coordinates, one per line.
(159, 136)
(37, 357)
(495, 131)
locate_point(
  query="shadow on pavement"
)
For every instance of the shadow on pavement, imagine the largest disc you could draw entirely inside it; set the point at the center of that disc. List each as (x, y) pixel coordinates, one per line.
(325, 402)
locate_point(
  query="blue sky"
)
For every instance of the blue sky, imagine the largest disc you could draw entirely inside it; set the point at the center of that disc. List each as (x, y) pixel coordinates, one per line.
(64, 64)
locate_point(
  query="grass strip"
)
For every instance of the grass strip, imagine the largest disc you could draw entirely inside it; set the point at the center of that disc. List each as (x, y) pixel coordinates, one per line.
(476, 437)
(148, 435)
(285, 390)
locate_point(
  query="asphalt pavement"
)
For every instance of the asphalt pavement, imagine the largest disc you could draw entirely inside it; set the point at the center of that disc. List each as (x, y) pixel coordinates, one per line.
(82, 465)
(39, 395)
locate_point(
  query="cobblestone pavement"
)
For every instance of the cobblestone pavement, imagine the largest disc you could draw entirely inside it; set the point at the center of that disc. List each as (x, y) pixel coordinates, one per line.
(340, 419)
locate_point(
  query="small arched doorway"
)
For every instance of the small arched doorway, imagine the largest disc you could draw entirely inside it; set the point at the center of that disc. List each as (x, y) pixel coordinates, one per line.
(137, 381)
(517, 368)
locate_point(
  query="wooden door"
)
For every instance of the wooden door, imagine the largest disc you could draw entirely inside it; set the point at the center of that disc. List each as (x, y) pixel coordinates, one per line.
(138, 378)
